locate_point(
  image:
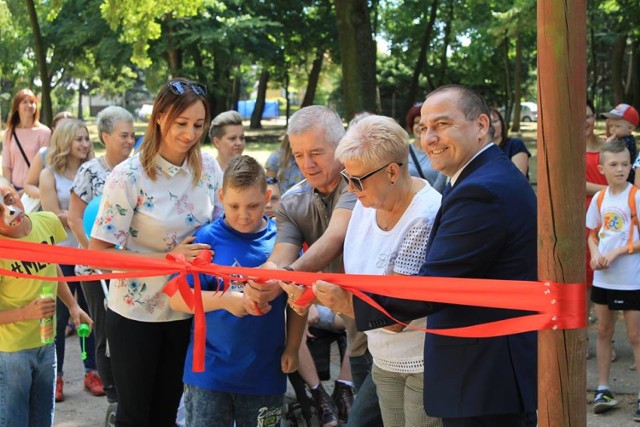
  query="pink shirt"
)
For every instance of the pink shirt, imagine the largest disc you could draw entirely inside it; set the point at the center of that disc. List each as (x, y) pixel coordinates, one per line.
(31, 140)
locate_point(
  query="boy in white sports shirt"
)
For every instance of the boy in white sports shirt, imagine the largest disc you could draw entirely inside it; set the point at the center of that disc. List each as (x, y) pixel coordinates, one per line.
(615, 258)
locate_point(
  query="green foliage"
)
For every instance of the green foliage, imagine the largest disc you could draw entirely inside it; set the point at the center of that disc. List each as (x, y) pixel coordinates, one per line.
(138, 21)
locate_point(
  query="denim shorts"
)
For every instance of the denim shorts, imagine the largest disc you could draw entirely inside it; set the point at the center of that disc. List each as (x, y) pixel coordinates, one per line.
(210, 408)
(27, 381)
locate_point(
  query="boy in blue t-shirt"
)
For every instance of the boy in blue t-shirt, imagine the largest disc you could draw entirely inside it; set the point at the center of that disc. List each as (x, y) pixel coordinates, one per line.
(246, 358)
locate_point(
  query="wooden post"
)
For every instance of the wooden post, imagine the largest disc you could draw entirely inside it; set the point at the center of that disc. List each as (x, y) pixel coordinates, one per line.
(561, 201)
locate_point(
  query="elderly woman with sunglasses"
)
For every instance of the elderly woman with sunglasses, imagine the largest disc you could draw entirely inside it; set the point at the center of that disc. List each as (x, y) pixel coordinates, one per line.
(151, 205)
(387, 235)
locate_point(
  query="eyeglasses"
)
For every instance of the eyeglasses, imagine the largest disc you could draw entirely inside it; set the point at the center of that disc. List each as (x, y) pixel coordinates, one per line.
(272, 180)
(179, 87)
(356, 181)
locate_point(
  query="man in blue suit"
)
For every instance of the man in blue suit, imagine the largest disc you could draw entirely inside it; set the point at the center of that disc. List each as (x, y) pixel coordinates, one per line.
(485, 229)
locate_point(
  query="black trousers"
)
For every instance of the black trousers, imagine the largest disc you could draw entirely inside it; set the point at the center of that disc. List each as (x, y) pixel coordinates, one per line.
(95, 297)
(502, 420)
(147, 359)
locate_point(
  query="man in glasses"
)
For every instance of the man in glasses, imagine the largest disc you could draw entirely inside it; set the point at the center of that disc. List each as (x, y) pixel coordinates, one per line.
(485, 229)
(316, 211)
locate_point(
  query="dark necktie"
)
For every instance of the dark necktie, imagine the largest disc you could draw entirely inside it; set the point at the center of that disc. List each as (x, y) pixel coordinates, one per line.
(446, 189)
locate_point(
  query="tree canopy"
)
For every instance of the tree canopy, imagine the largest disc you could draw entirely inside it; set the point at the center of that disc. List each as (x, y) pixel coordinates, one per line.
(374, 55)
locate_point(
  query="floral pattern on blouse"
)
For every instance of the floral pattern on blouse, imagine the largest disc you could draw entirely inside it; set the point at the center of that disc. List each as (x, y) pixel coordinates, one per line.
(142, 215)
(87, 185)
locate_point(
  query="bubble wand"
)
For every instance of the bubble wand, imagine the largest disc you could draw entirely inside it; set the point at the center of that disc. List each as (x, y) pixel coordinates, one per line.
(83, 332)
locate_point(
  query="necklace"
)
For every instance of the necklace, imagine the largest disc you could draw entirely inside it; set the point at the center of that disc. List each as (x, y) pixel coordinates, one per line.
(394, 216)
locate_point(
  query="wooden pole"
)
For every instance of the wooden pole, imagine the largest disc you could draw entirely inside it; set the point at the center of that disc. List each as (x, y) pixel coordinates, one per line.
(561, 201)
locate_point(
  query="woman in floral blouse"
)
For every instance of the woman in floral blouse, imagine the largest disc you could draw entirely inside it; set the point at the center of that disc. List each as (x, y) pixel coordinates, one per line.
(116, 133)
(151, 205)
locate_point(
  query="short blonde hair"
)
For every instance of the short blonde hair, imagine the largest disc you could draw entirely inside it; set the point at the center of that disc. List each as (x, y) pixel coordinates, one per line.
(374, 140)
(60, 144)
(219, 122)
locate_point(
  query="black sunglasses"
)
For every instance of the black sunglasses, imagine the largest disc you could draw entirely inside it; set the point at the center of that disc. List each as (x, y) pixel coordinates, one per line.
(272, 180)
(356, 181)
(180, 88)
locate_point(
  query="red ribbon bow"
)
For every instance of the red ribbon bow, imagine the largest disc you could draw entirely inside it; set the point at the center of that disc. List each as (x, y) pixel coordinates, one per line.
(192, 299)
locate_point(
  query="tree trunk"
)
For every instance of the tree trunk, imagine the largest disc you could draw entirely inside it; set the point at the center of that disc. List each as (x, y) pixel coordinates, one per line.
(445, 45)
(357, 54)
(46, 110)
(80, 92)
(517, 85)
(174, 56)
(617, 60)
(422, 57)
(235, 97)
(220, 92)
(561, 196)
(594, 58)
(507, 83)
(635, 73)
(314, 77)
(256, 116)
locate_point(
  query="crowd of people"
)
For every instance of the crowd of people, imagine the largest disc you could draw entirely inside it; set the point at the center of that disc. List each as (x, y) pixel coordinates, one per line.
(445, 195)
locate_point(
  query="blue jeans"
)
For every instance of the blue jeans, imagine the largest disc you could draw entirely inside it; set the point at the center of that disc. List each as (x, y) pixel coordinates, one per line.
(27, 381)
(365, 410)
(209, 408)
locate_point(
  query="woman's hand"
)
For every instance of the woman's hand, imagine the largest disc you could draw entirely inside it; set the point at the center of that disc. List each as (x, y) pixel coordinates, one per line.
(294, 292)
(334, 297)
(188, 249)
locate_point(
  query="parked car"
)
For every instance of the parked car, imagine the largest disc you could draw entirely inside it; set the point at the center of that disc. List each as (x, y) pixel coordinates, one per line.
(528, 112)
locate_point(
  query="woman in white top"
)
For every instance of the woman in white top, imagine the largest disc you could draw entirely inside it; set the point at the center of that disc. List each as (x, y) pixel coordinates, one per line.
(116, 133)
(151, 205)
(387, 235)
(24, 136)
(70, 148)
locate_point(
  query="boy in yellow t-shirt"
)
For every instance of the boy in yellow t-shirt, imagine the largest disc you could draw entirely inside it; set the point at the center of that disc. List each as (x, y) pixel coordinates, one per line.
(27, 366)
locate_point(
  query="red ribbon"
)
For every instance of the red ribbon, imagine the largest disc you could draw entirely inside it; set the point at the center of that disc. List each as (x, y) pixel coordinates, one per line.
(556, 306)
(193, 300)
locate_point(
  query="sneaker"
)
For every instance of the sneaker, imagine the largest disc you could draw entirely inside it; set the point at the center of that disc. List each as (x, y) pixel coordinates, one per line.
(93, 383)
(343, 396)
(324, 405)
(603, 401)
(59, 392)
(636, 415)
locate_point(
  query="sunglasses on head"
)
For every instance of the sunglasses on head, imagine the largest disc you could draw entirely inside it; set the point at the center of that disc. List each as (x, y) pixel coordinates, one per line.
(356, 181)
(180, 88)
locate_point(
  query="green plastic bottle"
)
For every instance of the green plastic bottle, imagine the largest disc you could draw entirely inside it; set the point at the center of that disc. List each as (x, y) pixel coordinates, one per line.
(47, 326)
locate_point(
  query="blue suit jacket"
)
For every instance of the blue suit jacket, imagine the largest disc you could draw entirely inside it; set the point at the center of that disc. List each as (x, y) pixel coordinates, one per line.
(486, 228)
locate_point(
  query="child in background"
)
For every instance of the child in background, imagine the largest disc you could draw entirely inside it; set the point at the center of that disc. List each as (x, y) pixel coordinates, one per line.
(614, 243)
(27, 366)
(246, 357)
(622, 121)
(274, 201)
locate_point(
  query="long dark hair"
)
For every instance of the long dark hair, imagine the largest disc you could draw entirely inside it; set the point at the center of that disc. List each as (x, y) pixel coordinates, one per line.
(503, 126)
